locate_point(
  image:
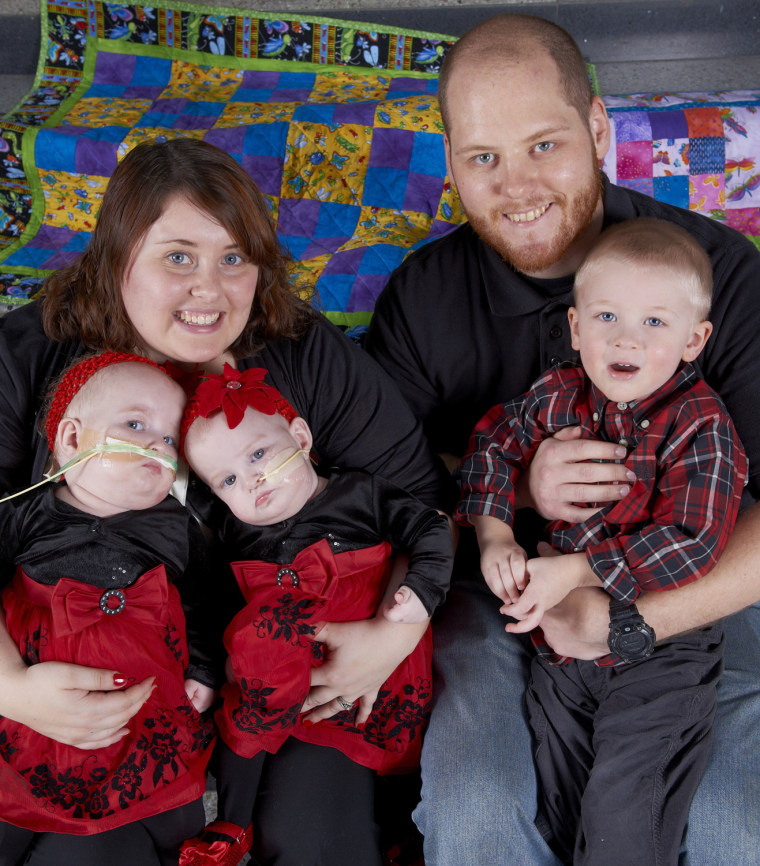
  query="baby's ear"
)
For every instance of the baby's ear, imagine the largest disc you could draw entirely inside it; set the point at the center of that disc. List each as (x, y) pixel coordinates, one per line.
(697, 340)
(300, 431)
(67, 439)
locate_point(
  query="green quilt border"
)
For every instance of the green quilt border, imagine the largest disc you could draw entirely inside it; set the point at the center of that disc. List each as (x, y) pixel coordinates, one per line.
(95, 47)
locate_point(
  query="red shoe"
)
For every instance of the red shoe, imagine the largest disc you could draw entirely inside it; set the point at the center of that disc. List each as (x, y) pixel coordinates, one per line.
(221, 843)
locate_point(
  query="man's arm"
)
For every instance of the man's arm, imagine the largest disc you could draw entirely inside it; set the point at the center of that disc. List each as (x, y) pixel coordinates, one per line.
(731, 586)
(579, 625)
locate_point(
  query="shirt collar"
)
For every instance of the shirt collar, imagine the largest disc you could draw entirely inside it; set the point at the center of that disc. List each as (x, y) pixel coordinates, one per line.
(510, 293)
(644, 410)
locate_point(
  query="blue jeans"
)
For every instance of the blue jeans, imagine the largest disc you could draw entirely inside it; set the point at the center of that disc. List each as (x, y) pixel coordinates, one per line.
(478, 780)
(724, 821)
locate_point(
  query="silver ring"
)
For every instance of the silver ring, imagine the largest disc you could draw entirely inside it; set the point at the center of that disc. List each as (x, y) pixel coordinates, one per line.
(344, 703)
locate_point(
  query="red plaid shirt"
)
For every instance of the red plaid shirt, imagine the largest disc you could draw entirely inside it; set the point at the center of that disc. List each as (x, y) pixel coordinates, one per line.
(689, 464)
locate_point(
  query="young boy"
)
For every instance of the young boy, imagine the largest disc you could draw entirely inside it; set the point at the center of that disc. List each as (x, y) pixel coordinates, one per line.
(96, 561)
(606, 731)
(305, 549)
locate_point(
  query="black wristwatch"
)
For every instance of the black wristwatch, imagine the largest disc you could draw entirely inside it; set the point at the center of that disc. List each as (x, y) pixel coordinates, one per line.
(630, 637)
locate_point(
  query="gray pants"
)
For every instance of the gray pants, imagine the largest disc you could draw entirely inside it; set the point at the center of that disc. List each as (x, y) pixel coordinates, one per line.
(620, 750)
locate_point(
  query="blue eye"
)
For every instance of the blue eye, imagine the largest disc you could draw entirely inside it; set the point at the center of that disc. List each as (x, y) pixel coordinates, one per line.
(178, 258)
(170, 440)
(229, 481)
(257, 455)
(135, 425)
(607, 317)
(654, 321)
(484, 158)
(544, 146)
(232, 259)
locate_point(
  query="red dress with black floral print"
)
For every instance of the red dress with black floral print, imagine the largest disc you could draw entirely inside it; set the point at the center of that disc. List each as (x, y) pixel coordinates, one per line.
(273, 649)
(139, 630)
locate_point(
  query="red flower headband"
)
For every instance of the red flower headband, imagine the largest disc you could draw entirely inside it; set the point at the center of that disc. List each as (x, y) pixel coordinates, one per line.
(76, 377)
(232, 392)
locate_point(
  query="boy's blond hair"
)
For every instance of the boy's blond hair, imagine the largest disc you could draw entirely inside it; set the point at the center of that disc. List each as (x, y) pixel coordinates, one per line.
(655, 243)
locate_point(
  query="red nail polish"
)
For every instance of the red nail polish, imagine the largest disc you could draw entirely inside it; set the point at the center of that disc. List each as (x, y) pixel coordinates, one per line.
(119, 680)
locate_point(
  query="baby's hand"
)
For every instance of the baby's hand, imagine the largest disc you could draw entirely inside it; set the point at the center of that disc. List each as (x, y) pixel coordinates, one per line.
(406, 607)
(200, 696)
(503, 567)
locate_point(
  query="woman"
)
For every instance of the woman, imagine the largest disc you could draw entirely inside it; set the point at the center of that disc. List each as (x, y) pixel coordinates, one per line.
(184, 265)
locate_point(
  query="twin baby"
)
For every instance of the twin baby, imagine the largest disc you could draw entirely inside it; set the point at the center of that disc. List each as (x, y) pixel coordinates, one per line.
(109, 573)
(110, 570)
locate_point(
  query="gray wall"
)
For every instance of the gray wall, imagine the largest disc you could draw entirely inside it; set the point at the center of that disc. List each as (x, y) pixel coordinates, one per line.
(637, 46)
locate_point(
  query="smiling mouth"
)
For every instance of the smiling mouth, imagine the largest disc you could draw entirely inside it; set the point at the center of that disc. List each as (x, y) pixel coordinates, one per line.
(624, 368)
(188, 318)
(527, 216)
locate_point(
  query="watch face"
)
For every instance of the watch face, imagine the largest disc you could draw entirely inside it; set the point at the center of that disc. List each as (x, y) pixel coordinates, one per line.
(632, 642)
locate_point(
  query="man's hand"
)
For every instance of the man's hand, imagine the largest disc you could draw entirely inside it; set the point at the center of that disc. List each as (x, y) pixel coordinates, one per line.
(563, 472)
(579, 625)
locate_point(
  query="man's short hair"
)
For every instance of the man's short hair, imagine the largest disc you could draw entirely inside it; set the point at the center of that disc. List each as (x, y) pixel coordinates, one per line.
(512, 37)
(655, 243)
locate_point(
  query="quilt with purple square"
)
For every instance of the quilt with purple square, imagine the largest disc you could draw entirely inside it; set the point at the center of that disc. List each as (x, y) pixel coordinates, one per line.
(337, 122)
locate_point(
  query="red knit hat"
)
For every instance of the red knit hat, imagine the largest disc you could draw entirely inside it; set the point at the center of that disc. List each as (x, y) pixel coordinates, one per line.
(232, 392)
(77, 375)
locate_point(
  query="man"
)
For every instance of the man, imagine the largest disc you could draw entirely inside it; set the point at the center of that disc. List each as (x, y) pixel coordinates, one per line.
(472, 320)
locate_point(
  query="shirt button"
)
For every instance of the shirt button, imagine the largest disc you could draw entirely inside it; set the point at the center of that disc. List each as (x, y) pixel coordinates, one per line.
(644, 424)
(595, 416)
(622, 441)
(554, 360)
(555, 333)
(622, 406)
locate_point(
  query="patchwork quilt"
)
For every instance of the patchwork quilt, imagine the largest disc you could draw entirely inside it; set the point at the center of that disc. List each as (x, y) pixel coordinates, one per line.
(337, 122)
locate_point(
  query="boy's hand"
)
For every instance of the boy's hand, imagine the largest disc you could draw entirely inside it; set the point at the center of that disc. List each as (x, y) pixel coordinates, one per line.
(503, 567)
(551, 579)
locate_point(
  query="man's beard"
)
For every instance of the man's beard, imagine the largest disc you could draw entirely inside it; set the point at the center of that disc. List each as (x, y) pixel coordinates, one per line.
(534, 258)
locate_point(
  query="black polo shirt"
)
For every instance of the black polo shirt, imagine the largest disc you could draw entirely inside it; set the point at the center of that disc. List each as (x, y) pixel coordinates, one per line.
(460, 330)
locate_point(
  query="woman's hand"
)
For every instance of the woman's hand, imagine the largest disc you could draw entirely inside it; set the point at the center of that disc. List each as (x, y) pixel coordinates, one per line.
(78, 706)
(360, 658)
(565, 470)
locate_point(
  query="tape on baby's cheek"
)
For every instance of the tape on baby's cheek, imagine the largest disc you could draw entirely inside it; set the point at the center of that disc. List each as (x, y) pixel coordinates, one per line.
(93, 446)
(284, 465)
(112, 450)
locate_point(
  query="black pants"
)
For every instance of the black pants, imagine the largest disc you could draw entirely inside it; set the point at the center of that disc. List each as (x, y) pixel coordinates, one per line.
(310, 805)
(153, 841)
(620, 751)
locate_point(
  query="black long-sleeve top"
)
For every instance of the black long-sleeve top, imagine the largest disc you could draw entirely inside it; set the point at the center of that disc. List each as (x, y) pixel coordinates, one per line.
(354, 511)
(51, 539)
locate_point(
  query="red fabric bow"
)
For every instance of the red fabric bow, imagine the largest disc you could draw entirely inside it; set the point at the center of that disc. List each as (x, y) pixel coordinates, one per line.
(232, 392)
(76, 605)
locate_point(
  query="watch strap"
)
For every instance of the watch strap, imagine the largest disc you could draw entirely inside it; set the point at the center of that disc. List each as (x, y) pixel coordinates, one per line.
(622, 611)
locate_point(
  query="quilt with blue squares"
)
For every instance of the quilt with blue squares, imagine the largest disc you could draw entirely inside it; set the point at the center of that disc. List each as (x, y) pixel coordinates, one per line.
(337, 122)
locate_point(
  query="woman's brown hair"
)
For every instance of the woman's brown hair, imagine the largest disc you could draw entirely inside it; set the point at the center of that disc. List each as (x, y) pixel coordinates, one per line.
(83, 300)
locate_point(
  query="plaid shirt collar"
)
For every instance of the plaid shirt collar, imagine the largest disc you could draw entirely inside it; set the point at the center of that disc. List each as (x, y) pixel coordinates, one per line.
(644, 410)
